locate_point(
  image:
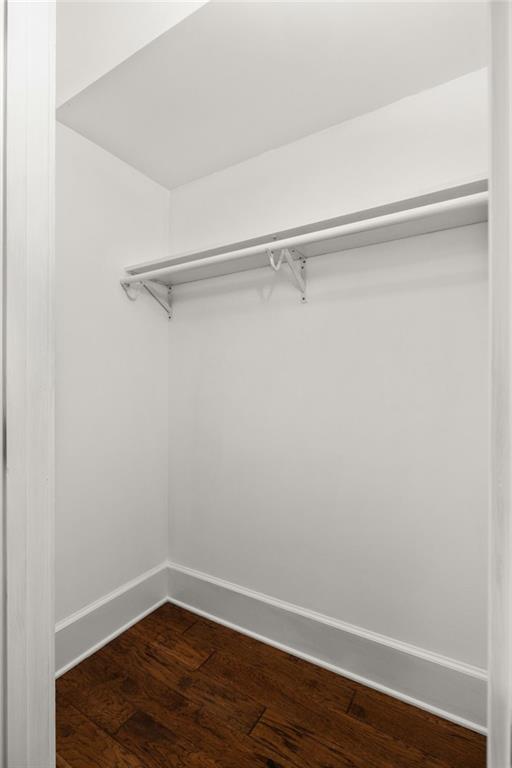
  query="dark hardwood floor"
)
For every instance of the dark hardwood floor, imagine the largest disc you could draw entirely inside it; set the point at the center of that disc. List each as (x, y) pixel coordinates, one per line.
(179, 691)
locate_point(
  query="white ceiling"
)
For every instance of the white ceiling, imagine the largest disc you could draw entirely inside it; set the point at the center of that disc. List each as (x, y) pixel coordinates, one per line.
(235, 79)
(93, 37)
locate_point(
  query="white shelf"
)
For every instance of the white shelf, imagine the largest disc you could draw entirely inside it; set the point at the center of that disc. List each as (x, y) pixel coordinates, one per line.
(444, 209)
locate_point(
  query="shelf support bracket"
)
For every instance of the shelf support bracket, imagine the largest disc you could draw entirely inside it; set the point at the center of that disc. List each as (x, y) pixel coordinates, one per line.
(160, 293)
(297, 268)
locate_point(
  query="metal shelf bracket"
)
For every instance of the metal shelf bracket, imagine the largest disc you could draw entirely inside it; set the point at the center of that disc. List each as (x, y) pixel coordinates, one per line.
(160, 293)
(297, 264)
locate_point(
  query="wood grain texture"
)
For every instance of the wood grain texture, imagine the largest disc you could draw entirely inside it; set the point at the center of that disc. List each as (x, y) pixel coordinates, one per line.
(355, 746)
(163, 746)
(83, 745)
(61, 763)
(176, 690)
(282, 689)
(422, 730)
(143, 660)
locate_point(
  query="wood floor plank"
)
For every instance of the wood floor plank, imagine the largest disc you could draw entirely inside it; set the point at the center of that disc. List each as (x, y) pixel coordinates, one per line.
(81, 744)
(458, 746)
(102, 704)
(225, 638)
(93, 670)
(200, 746)
(358, 748)
(240, 711)
(281, 687)
(191, 654)
(326, 722)
(143, 662)
(294, 746)
(198, 726)
(311, 678)
(166, 626)
(149, 696)
(154, 745)
(176, 690)
(61, 763)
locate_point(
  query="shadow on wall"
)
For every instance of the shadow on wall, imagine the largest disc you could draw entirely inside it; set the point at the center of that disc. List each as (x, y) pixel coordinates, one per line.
(422, 263)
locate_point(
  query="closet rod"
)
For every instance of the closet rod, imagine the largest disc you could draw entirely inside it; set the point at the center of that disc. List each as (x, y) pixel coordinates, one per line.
(468, 204)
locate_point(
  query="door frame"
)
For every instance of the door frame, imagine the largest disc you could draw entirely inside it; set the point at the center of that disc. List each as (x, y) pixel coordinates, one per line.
(29, 373)
(499, 743)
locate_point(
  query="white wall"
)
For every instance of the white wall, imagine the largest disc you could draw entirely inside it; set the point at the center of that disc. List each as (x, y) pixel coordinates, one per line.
(334, 455)
(111, 431)
(435, 139)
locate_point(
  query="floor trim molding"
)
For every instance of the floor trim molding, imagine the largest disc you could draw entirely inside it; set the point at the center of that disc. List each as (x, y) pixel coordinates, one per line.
(433, 682)
(86, 631)
(445, 687)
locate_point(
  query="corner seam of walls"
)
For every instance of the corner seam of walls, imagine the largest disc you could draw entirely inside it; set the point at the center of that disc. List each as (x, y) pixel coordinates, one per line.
(170, 509)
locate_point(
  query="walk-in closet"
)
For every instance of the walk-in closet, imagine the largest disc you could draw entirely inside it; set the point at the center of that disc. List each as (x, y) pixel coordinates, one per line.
(273, 400)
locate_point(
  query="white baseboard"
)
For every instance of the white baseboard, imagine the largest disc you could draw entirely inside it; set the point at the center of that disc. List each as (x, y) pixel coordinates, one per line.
(85, 631)
(448, 688)
(452, 690)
